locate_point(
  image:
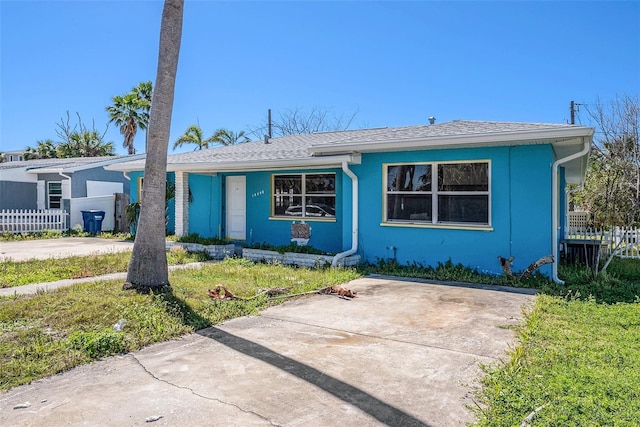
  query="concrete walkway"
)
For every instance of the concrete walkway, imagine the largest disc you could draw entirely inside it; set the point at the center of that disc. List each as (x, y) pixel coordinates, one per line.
(403, 353)
(34, 288)
(63, 247)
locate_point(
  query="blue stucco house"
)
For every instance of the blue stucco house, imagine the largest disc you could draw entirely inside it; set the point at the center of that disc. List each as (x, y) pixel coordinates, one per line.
(465, 191)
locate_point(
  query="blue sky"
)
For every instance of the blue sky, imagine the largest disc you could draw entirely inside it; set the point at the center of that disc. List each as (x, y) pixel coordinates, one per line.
(395, 63)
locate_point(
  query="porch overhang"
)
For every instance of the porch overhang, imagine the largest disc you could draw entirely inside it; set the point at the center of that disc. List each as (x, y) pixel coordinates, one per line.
(329, 161)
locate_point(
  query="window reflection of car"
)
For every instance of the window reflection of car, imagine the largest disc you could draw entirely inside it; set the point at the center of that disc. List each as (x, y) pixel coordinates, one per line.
(311, 211)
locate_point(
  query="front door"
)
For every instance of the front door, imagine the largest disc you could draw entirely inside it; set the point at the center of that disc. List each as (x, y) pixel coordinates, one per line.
(236, 203)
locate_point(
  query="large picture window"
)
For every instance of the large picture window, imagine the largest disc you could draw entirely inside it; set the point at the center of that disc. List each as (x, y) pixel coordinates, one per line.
(55, 194)
(304, 195)
(438, 193)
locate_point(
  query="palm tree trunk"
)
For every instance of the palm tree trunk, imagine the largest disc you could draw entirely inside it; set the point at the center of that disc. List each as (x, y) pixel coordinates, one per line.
(148, 268)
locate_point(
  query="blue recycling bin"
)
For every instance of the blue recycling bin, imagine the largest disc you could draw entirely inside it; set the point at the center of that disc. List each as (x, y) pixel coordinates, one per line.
(92, 221)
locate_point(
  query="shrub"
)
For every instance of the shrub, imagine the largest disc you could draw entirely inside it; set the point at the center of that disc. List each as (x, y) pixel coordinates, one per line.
(291, 247)
(195, 238)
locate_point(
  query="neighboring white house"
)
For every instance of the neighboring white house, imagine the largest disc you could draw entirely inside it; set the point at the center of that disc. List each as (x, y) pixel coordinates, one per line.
(13, 156)
(72, 184)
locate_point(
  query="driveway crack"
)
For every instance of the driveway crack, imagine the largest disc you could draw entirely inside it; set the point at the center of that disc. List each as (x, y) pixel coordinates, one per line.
(202, 396)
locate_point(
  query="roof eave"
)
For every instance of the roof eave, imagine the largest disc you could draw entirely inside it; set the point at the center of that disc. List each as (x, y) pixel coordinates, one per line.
(458, 141)
(253, 165)
(103, 163)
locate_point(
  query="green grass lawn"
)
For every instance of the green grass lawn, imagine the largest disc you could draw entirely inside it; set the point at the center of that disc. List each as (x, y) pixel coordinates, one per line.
(50, 332)
(50, 270)
(577, 359)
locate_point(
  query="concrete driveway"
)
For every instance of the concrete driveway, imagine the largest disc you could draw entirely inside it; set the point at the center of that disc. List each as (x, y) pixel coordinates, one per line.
(402, 353)
(60, 248)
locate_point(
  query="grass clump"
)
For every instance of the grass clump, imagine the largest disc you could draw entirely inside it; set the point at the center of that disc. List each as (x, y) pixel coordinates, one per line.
(50, 332)
(450, 272)
(50, 270)
(577, 359)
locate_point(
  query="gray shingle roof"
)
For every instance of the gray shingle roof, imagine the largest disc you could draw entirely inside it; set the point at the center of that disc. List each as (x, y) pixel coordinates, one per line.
(58, 163)
(298, 147)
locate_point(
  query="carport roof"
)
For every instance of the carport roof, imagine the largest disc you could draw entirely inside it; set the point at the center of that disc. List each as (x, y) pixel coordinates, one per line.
(332, 148)
(70, 164)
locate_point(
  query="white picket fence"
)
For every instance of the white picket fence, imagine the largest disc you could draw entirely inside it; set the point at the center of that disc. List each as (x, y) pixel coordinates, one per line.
(623, 241)
(32, 220)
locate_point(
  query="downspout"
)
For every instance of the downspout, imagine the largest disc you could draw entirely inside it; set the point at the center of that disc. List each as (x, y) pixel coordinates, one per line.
(554, 206)
(354, 217)
(126, 175)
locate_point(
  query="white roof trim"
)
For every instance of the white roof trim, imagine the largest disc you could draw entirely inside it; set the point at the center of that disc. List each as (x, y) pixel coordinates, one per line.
(252, 165)
(63, 169)
(483, 140)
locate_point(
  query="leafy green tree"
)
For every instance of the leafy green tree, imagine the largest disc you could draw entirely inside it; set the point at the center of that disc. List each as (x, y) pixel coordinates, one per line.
(148, 268)
(193, 135)
(80, 141)
(131, 112)
(85, 143)
(612, 188)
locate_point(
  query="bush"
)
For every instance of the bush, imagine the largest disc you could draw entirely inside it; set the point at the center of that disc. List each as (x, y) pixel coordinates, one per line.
(291, 247)
(195, 238)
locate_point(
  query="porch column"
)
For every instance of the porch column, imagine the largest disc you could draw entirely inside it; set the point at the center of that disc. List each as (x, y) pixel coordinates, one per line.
(182, 204)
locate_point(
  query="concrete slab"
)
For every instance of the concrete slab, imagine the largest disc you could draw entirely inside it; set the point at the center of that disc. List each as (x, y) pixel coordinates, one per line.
(60, 248)
(401, 353)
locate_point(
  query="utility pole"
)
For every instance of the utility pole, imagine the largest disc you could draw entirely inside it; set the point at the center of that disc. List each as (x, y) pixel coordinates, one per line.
(573, 108)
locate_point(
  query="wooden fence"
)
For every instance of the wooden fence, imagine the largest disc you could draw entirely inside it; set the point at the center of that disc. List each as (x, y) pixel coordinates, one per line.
(32, 220)
(624, 242)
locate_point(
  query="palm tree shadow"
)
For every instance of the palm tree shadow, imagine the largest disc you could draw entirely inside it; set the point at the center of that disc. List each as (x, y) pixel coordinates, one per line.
(174, 305)
(367, 403)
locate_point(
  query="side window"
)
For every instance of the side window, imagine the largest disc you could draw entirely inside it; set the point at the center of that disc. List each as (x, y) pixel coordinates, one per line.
(54, 194)
(304, 195)
(459, 196)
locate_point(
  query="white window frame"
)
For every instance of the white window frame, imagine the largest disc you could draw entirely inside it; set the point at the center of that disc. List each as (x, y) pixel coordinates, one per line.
(303, 194)
(434, 193)
(49, 194)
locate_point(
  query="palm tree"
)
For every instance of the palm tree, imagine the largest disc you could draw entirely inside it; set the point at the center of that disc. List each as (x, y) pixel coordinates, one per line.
(148, 268)
(227, 137)
(46, 149)
(193, 135)
(131, 112)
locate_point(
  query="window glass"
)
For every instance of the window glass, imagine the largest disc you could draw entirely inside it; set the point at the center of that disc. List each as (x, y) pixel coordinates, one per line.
(409, 207)
(321, 183)
(409, 178)
(287, 184)
(461, 194)
(473, 209)
(463, 177)
(304, 195)
(55, 195)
